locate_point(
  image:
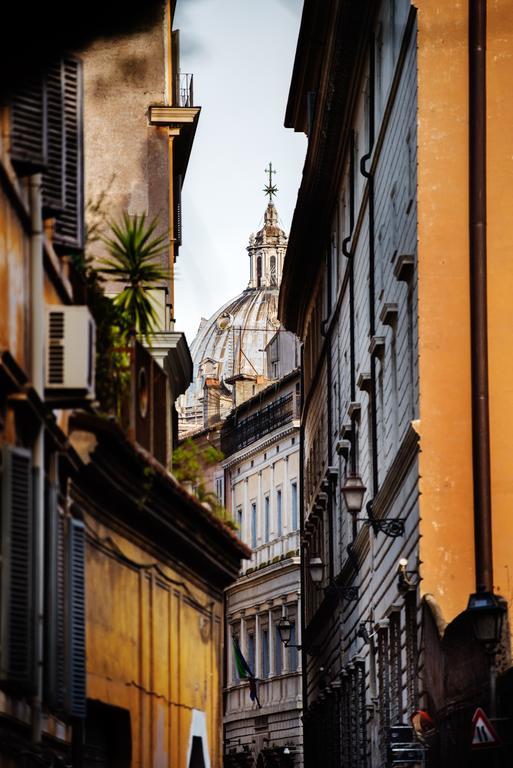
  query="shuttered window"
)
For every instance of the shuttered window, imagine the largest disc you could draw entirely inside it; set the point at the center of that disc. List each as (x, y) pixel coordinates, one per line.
(17, 666)
(76, 704)
(69, 225)
(55, 642)
(54, 174)
(28, 127)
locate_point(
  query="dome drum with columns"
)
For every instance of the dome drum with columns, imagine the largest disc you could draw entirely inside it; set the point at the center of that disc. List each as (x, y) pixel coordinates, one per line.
(230, 345)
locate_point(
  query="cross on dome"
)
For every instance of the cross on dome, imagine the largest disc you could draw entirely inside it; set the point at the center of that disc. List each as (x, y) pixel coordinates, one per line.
(270, 189)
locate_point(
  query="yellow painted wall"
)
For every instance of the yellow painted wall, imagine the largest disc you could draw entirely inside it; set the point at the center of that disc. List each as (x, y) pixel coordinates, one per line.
(154, 647)
(445, 461)
(446, 502)
(14, 282)
(500, 283)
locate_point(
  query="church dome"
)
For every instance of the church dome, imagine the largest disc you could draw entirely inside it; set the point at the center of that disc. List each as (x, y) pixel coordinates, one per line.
(232, 341)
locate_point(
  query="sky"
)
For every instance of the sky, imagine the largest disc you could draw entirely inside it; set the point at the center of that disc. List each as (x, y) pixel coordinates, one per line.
(241, 53)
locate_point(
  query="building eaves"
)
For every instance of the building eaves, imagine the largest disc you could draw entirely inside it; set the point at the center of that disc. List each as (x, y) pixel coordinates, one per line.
(342, 50)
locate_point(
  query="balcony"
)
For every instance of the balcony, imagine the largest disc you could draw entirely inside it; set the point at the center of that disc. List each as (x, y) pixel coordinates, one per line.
(280, 691)
(238, 435)
(273, 551)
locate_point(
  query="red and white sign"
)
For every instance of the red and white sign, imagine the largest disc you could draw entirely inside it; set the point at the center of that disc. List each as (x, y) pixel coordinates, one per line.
(483, 732)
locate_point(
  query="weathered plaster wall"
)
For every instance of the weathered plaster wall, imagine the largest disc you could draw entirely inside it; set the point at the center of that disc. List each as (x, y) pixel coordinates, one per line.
(153, 647)
(445, 461)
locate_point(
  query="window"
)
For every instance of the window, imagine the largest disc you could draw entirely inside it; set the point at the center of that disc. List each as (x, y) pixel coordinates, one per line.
(273, 270)
(267, 518)
(239, 520)
(279, 521)
(253, 525)
(265, 653)
(220, 489)
(251, 652)
(278, 663)
(259, 271)
(293, 501)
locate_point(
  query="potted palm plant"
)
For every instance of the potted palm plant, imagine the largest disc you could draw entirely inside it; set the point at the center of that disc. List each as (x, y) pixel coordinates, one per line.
(133, 262)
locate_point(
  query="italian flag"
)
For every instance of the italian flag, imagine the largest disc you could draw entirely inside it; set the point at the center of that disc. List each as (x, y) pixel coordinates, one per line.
(244, 672)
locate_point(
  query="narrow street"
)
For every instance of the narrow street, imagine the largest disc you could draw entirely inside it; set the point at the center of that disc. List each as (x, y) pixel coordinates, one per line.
(255, 384)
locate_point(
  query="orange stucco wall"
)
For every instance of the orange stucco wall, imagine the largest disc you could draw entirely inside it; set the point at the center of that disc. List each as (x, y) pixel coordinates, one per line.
(445, 461)
(154, 645)
(500, 283)
(446, 504)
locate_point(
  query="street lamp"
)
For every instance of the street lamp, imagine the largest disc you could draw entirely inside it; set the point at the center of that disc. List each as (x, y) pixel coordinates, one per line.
(353, 492)
(285, 631)
(316, 567)
(486, 615)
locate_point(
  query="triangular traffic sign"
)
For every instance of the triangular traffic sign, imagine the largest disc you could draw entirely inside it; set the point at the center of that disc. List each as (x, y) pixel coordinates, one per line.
(483, 732)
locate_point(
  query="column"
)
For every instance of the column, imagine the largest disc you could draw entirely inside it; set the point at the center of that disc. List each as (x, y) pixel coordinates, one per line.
(272, 505)
(272, 669)
(298, 629)
(285, 501)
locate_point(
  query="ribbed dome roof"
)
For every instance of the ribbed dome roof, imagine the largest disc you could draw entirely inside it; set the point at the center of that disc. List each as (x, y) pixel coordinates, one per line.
(232, 341)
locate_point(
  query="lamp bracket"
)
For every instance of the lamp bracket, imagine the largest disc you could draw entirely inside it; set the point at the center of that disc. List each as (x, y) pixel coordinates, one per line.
(346, 593)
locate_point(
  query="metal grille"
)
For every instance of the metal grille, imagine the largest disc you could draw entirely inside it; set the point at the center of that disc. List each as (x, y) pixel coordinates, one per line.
(396, 709)
(384, 691)
(236, 436)
(412, 653)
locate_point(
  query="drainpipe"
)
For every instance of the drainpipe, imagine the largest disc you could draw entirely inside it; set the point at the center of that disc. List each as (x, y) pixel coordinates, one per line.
(304, 658)
(37, 368)
(478, 298)
(372, 312)
(352, 354)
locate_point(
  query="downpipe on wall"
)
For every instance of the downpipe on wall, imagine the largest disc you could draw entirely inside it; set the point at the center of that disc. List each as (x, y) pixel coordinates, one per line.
(37, 375)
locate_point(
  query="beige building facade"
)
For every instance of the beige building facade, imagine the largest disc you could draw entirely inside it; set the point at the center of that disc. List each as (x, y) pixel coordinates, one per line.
(260, 440)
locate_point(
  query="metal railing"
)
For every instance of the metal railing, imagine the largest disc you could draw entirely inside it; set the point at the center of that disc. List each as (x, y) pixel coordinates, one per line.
(237, 435)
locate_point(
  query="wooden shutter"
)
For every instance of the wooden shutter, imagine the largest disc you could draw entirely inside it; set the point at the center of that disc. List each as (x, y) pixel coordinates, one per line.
(16, 614)
(76, 656)
(54, 174)
(69, 225)
(28, 127)
(54, 656)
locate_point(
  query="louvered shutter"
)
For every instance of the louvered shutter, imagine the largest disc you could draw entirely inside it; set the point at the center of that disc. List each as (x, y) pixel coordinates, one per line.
(69, 224)
(55, 648)
(28, 127)
(54, 174)
(76, 656)
(16, 620)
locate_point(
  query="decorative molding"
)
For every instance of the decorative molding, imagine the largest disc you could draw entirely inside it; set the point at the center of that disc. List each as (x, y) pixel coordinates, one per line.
(364, 382)
(388, 314)
(377, 347)
(403, 270)
(172, 116)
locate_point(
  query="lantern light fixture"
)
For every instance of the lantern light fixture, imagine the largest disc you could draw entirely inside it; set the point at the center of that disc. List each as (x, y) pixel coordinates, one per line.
(353, 492)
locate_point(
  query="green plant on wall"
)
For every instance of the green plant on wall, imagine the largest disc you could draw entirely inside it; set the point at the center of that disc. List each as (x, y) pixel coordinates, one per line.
(189, 463)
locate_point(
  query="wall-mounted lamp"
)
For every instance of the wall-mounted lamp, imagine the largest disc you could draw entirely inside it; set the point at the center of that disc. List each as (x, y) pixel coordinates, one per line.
(353, 492)
(316, 567)
(285, 631)
(487, 614)
(406, 580)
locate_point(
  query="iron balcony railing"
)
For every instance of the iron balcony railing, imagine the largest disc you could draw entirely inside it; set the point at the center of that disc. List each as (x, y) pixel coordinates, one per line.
(184, 89)
(239, 434)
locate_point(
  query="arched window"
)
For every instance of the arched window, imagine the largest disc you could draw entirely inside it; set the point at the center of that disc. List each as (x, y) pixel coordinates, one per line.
(259, 271)
(273, 270)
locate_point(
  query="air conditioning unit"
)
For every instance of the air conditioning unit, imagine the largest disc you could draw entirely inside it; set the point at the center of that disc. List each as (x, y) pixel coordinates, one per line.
(70, 353)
